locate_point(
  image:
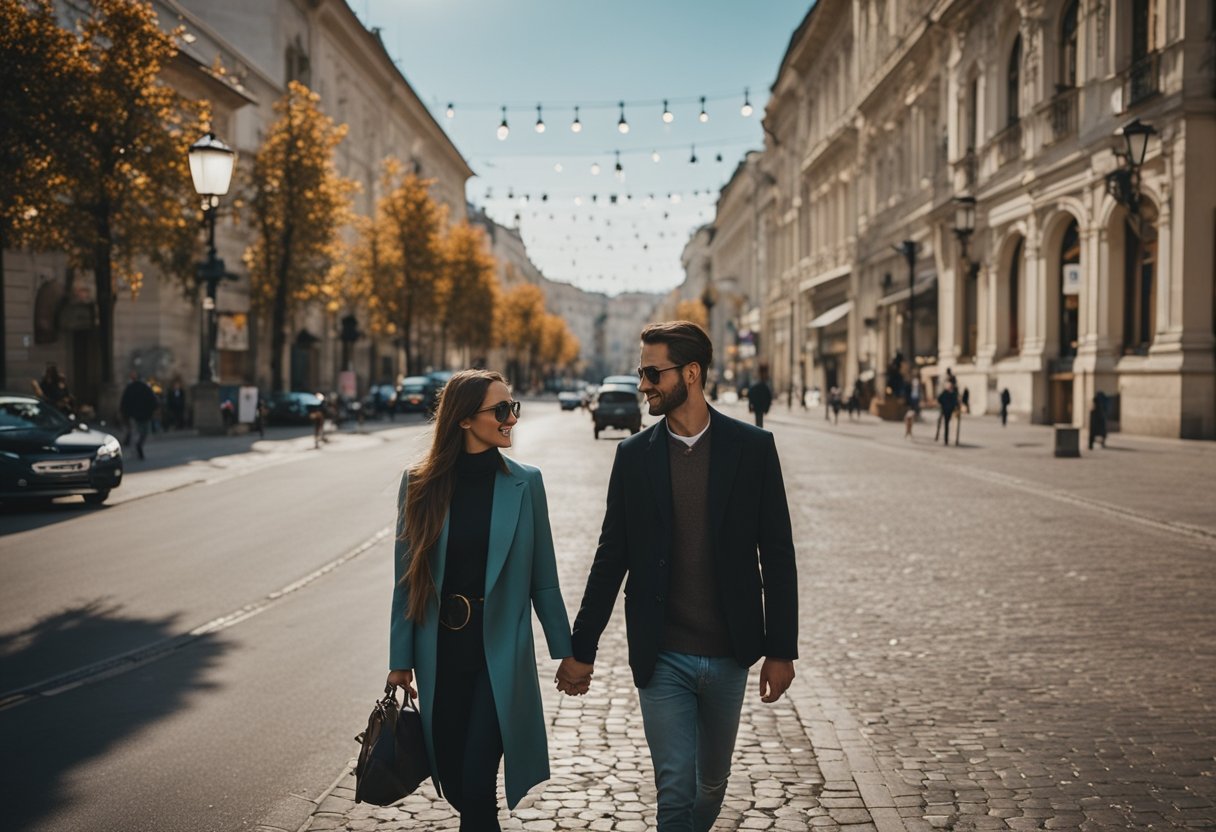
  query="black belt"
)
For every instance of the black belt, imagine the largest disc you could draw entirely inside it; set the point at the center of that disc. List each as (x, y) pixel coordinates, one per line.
(456, 610)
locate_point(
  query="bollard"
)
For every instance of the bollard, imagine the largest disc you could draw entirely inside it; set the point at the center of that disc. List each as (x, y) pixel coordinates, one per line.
(1068, 441)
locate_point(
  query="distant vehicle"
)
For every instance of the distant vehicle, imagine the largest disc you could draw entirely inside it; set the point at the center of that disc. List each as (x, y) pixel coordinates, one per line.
(293, 408)
(617, 406)
(43, 454)
(380, 400)
(630, 380)
(569, 400)
(417, 394)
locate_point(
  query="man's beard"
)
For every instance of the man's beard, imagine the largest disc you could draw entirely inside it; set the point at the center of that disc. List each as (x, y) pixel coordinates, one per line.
(668, 402)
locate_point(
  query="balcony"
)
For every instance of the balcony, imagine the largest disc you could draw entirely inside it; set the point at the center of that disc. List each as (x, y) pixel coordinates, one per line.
(1061, 114)
(1008, 144)
(1142, 79)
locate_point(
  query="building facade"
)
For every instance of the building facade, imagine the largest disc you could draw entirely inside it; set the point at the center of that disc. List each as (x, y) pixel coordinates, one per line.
(1076, 272)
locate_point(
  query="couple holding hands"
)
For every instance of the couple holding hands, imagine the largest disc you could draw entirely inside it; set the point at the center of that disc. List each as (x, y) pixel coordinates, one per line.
(698, 528)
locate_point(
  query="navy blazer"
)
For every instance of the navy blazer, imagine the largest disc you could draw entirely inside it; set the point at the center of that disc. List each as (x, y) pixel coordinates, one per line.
(753, 548)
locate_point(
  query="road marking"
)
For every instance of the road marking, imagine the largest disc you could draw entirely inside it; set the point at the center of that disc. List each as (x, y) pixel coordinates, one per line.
(142, 656)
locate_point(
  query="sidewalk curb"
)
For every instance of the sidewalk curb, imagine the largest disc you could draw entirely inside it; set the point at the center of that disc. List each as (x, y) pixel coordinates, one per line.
(295, 813)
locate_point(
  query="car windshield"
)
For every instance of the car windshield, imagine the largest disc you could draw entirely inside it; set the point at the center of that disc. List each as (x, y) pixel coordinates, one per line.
(617, 397)
(21, 413)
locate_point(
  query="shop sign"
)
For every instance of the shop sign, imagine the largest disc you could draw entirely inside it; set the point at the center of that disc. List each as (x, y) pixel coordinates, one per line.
(1072, 278)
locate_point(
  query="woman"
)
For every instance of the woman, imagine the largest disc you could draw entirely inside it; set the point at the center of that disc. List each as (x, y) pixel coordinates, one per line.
(474, 551)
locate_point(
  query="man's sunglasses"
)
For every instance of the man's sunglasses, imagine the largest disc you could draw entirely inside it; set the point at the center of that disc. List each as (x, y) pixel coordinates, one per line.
(653, 374)
(502, 411)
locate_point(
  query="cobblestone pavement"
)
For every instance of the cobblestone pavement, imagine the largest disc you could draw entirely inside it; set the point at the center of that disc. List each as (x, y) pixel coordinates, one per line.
(989, 640)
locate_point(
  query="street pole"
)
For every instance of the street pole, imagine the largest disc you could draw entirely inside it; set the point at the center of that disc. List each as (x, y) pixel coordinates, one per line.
(910, 255)
(210, 272)
(793, 333)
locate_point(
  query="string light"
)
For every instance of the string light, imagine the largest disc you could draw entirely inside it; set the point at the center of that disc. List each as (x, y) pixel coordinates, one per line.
(654, 156)
(692, 160)
(704, 117)
(668, 118)
(746, 109)
(503, 129)
(576, 126)
(622, 125)
(595, 168)
(619, 171)
(557, 167)
(540, 121)
(451, 110)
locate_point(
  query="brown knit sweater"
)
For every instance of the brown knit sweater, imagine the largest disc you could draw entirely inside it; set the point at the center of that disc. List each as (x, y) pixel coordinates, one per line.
(695, 622)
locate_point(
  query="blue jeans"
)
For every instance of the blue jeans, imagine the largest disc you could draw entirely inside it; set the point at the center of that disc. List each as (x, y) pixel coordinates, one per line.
(690, 710)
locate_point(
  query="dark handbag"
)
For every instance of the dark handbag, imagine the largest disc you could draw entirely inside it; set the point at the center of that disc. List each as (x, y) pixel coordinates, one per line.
(392, 760)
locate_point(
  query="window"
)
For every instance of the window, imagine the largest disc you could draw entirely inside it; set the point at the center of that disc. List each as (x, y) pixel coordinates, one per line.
(1139, 271)
(1070, 300)
(1013, 83)
(973, 113)
(1068, 47)
(970, 313)
(1015, 301)
(1142, 29)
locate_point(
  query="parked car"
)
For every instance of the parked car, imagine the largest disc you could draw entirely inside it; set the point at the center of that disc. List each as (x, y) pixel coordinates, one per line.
(417, 394)
(293, 408)
(381, 400)
(617, 406)
(569, 400)
(44, 454)
(629, 380)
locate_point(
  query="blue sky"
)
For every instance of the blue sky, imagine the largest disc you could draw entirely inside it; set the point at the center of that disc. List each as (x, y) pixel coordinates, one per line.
(483, 54)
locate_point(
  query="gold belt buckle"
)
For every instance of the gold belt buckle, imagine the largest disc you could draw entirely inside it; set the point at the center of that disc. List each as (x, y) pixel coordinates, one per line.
(468, 613)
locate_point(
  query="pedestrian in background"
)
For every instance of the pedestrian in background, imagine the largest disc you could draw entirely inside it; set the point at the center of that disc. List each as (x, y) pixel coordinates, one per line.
(175, 405)
(1097, 420)
(696, 515)
(964, 406)
(138, 405)
(1006, 399)
(836, 403)
(948, 402)
(53, 388)
(760, 397)
(474, 525)
(914, 392)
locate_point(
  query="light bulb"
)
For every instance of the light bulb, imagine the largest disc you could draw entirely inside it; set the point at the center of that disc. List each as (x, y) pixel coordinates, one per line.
(451, 111)
(704, 117)
(595, 168)
(503, 129)
(692, 160)
(668, 118)
(576, 126)
(622, 125)
(557, 167)
(654, 157)
(540, 121)
(746, 109)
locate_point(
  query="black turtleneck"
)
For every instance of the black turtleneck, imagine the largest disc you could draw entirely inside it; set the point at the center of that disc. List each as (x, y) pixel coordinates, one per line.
(469, 523)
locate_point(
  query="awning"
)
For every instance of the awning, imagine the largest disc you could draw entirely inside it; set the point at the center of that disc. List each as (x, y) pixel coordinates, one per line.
(831, 316)
(923, 285)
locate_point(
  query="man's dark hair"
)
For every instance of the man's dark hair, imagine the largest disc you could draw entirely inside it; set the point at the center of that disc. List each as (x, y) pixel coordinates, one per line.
(687, 343)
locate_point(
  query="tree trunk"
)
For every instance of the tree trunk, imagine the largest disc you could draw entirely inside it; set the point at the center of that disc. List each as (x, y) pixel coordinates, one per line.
(104, 277)
(3, 332)
(278, 322)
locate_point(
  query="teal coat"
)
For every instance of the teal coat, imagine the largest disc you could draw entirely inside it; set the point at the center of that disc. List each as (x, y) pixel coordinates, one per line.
(521, 573)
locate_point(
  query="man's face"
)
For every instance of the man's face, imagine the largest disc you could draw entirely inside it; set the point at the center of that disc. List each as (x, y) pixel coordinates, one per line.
(671, 391)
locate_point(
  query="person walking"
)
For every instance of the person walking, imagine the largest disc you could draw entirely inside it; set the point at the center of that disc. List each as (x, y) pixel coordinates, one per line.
(760, 397)
(964, 406)
(948, 402)
(53, 387)
(474, 553)
(1006, 399)
(1097, 420)
(175, 404)
(138, 405)
(698, 528)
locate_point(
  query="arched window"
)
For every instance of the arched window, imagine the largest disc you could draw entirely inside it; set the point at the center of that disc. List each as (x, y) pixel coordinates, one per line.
(1013, 83)
(1139, 272)
(973, 113)
(1070, 298)
(1068, 47)
(1015, 299)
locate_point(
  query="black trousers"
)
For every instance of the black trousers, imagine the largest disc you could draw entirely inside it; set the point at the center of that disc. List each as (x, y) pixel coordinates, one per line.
(468, 742)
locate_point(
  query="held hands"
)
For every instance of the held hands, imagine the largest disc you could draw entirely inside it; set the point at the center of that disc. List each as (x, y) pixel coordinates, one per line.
(403, 679)
(775, 677)
(573, 677)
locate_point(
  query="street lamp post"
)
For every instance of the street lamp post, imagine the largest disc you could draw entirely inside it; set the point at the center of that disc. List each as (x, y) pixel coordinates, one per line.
(908, 249)
(1123, 183)
(211, 165)
(964, 227)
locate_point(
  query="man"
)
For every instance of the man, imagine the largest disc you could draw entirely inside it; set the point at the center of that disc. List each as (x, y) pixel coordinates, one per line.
(138, 405)
(760, 396)
(698, 528)
(1006, 400)
(948, 402)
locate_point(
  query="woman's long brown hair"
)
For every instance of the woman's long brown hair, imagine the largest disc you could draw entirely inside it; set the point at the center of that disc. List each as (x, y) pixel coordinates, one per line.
(432, 480)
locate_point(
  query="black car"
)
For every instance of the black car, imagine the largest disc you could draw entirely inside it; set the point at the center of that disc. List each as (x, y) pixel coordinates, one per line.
(294, 408)
(417, 394)
(381, 400)
(617, 406)
(43, 454)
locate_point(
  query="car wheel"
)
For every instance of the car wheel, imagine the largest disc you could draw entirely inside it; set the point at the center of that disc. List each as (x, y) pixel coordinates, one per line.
(98, 498)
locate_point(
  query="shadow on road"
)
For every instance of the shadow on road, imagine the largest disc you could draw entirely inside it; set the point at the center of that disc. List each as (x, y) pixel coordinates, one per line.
(46, 741)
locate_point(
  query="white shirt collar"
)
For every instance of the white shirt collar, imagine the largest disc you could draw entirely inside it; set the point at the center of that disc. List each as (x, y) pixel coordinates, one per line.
(688, 440)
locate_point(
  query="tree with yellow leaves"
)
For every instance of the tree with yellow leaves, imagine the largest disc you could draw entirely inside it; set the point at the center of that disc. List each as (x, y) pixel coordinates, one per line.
(471, 290)
(112, 169)
(558, 346)
(519, 325)
(693, 310)
(413, 290)
(298, 206)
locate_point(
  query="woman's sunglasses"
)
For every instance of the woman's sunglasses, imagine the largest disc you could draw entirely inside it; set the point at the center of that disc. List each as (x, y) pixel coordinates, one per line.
(653, 374)
(502, 411)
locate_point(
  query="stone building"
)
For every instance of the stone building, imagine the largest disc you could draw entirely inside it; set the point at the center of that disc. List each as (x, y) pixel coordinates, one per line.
(1071, 272)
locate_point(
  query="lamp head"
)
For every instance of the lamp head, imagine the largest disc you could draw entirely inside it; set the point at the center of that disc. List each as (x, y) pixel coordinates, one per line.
(211, 165)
